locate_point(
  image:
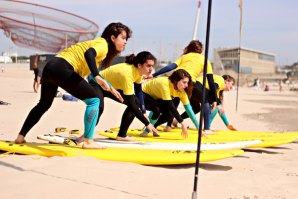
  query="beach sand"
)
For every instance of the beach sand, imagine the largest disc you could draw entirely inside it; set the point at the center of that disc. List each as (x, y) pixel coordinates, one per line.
(270, 173)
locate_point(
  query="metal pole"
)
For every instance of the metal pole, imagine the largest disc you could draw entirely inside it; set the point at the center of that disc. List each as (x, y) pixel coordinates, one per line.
(197, 20)
(239, 53)
(194, 194)
(66, 41)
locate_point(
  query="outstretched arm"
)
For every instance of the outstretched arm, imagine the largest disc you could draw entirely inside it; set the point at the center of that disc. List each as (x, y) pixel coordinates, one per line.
(90, 56)
(131, 103)
(165, 69)
(173, 109)
(191, 115)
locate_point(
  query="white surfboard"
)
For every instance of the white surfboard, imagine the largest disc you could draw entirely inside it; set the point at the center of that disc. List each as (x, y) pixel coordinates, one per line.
(152, 145)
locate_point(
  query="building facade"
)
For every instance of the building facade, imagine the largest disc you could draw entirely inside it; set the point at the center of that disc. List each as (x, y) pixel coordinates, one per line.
(251, 61)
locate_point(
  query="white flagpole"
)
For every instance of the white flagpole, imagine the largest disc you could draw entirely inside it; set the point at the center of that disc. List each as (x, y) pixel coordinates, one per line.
(239, 52)
(197, 20)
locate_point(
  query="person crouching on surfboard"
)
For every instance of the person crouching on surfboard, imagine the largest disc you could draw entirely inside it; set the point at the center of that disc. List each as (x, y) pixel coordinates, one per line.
(127, 79)
(222, 83)
(68, 69)
(228, 84)
(159, 94)
(193, 62)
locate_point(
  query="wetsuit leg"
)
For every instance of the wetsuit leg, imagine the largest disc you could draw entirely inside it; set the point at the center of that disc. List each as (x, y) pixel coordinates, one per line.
(126, 121)
(176, 101)
(207, 113)
(152, 121)
(224, 119)
(195, 100)
(213, 114)
(101, 95)
(152, 105)
(166, 114)
(129, 114)
(48, 93)
(59, 72)
(91, 116)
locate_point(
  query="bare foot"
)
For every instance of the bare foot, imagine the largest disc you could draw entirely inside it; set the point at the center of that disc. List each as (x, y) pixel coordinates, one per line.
(209, 132)
(155, 134)
(231, 127)
(79, 140)
(126, 139)
(20, 139)
(175, 123)
(90, 144)
(144, 134)
(167, 129)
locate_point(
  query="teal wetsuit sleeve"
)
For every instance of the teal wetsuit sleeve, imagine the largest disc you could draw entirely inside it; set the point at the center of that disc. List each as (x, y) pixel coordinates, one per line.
(165, 69)
(191, 115)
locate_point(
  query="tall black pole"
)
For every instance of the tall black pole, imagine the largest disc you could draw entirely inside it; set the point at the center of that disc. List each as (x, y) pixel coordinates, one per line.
(194, 194)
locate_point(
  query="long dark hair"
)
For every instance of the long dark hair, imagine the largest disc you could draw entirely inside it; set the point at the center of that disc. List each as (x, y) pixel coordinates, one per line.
(179, 74)
(113, 29)
(140, 58)
(230, 79)
(195, 46)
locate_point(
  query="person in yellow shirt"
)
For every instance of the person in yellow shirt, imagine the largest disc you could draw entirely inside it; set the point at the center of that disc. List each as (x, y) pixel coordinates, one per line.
(158, 96)
(229, 82)
(192, 61)
(222, 83)
(68, 69)
(127, 78)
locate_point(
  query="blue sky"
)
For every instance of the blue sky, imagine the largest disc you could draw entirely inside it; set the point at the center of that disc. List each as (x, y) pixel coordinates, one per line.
(164, 27)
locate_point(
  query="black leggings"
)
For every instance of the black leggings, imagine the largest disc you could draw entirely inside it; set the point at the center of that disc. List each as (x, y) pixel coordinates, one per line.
(161, 109)
(132, 103)
(195, 101)
(57, 73)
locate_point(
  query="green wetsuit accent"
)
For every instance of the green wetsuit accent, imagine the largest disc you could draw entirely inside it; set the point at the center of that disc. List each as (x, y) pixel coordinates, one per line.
(191, 115)
(90, 117)
(222, 116)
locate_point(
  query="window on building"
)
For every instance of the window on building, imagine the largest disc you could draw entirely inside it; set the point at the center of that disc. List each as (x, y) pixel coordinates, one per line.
(266, 57)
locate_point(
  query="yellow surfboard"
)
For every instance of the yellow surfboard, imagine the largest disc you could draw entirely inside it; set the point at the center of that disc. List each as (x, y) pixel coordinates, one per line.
(146, 157)
(193, 138)
(292, 134)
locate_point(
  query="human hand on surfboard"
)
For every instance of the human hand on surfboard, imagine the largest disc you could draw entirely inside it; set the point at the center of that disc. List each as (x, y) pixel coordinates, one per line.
(184, 132)
(153, 130)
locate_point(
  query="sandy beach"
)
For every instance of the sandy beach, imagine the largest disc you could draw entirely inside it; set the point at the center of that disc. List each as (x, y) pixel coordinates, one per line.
(270, 173)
